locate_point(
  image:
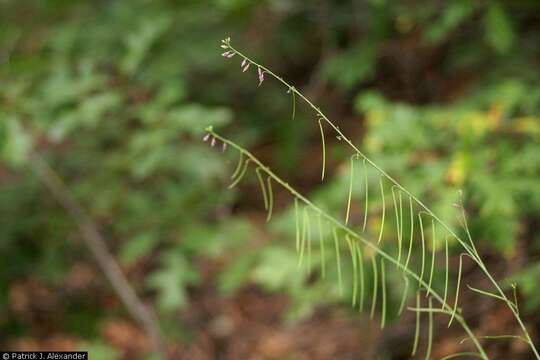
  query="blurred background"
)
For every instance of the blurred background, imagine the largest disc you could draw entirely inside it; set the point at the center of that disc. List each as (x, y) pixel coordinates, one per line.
(112, 97)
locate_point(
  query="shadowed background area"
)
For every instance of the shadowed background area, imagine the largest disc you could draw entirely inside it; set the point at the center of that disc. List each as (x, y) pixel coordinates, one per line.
(118, 234)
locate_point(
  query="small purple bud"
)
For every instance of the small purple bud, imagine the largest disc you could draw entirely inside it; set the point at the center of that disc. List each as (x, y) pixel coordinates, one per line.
(205, 138)
(213, 142)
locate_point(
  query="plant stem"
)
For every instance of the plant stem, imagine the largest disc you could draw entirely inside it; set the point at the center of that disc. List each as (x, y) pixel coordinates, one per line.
(469, 248)
(352, 233)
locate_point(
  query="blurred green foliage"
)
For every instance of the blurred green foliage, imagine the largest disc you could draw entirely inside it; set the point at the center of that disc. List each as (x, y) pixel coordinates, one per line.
(116, 95)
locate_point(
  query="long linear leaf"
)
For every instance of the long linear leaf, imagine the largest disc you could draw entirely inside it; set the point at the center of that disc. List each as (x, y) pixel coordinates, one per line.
(404, 295)
(383, 211)
(411, 236)
(462, 354)
(323, 150)
(423, 240)
(297, 223)
(321, 244)
(303, 236)
(446, 269)
(366, 200)
(430, 329)
(263, 187)
(383, 288)
(351, 182)
(240, 175)
(433, 247)
(487, 293)
(398, 224)
(238, 166)
(308, 241)
(352, 253)
(270, 198)
(417, 326)
(338, 260)
(457, 289)
(361, 274)
(375, 283)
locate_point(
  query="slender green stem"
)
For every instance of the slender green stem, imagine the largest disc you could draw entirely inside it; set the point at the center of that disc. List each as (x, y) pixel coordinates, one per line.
(338, 225)
(350, 143)
(471, 250)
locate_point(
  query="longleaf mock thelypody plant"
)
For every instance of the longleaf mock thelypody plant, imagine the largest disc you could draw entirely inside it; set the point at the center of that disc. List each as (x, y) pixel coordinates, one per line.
(329, 227)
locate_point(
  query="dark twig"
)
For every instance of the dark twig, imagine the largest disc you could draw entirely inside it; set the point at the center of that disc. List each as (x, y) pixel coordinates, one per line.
(97, 245)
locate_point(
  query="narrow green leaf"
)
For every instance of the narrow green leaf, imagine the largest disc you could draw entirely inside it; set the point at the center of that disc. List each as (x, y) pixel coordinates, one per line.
(462, 354)
(366, 197)
(404, 294)
(446, 270)
(293, 97)
(433, 246)
(383, 210)
(457, 290)
(241, 174)
(338, 260)
(270, 198)
(303, 236)
(430, 329)
(263, 187)
(361, 274)
(398, 225)
(383, 287)
(297, 223)
(323, 150)
(309, 241)
(411, 237)
(498, 297)
(351, 182)
(375, 280)
(238, 166)
(423, 246)
(417, 327)
(321, 243)
(352, 253)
